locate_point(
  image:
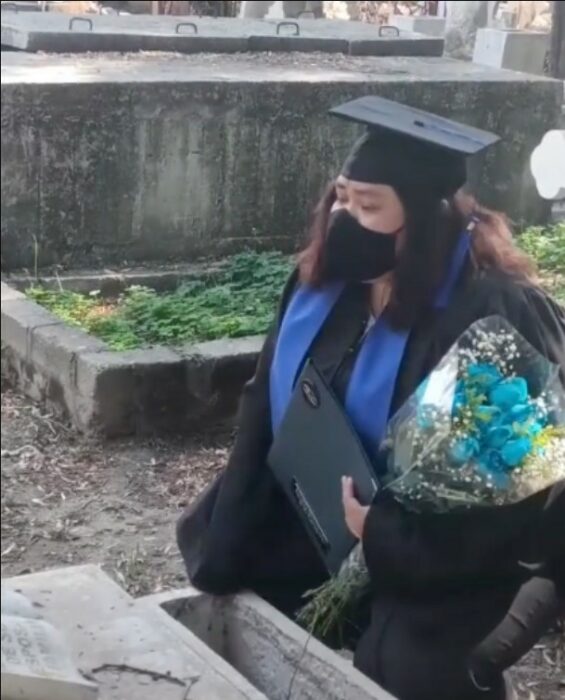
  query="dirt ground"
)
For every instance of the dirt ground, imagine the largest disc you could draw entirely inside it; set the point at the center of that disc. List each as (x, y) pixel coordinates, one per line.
(69, 500)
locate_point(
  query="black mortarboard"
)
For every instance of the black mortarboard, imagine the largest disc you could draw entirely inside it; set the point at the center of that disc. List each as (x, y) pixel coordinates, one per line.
(406, 146)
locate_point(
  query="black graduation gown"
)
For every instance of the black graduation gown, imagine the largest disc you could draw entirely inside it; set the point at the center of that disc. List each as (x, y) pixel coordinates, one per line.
(440, 584)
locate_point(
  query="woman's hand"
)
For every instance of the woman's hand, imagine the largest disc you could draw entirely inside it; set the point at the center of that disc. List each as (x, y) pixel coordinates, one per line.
(355, 513)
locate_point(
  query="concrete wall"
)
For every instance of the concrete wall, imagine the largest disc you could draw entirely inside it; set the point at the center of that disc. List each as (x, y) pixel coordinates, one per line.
(106, 159)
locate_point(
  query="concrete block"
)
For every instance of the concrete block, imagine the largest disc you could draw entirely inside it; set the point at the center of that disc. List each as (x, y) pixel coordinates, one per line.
(53, 356)
(512, 49)
(77, 42)
(175, 157)
(131, 650)
(20, 318)
(54, 34)
(41, 351)
(430, 26)
(217, 371)
(266, 647)
(226, 349)
(11, 294)
(55, 348)
(122, 393)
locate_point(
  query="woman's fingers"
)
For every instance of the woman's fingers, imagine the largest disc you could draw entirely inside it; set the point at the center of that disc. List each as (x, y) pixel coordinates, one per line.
(355, 513)
(347, 488)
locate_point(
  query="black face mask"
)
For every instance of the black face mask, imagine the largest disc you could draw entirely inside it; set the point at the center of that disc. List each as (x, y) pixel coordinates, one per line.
(353, 253)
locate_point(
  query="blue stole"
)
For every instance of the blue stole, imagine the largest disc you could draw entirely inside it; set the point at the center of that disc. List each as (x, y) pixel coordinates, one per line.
(371, 387)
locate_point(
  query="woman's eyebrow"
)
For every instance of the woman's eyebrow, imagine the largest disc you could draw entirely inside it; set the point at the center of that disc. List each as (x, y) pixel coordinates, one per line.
(367, 192)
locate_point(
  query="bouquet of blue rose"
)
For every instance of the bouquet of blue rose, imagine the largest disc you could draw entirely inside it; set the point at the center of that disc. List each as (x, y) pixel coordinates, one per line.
(486, 427)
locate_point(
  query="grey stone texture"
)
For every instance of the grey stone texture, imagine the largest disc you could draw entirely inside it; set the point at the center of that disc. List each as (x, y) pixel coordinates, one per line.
(109, 159)
(267, 648)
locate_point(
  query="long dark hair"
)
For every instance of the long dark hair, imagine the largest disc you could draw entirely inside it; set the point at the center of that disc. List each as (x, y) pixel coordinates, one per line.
(432, 229)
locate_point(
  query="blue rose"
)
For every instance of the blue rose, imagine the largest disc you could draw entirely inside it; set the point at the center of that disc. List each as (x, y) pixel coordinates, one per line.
(487, 414)
(464, 450)
(499, 435)
(491, 461)
(515, 451)
(486, 376)
(509, 393)
(520, 413)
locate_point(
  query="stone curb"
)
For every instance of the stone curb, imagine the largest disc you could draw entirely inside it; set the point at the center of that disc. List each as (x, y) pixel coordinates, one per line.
(112, 284)
(261, 632)
(121, 393)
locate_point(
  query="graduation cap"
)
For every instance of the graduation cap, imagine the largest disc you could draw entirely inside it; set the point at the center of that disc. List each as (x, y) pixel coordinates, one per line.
(404, 146)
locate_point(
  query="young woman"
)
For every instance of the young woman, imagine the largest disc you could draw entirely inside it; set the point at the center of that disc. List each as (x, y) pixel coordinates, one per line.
(399, 265)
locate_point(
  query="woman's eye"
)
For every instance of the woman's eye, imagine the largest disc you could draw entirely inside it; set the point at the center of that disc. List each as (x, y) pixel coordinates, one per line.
(369, 208)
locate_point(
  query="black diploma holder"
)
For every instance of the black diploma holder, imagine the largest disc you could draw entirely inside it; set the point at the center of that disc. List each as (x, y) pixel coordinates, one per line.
(314, 447)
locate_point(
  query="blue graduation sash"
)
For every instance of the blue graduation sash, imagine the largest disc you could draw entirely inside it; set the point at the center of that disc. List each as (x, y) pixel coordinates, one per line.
(371, 388)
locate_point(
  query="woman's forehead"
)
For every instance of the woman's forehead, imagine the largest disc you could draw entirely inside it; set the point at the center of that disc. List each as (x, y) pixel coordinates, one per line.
(363, 188)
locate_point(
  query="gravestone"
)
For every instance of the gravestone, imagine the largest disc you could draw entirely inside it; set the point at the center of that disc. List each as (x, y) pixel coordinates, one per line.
(512, 49)
(36, 663)
(132, 652)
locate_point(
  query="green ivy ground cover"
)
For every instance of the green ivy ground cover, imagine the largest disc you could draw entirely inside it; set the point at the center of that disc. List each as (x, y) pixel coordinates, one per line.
(236, 301)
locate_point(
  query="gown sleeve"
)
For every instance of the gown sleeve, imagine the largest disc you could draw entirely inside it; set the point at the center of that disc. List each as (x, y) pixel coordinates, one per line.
(539, 602)
(215, 530)
(415, 549)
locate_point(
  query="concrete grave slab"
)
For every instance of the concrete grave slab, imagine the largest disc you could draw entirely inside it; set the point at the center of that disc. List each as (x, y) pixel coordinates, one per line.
(179, 157)
(273, 653)
(129, 648)
(55, 33)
